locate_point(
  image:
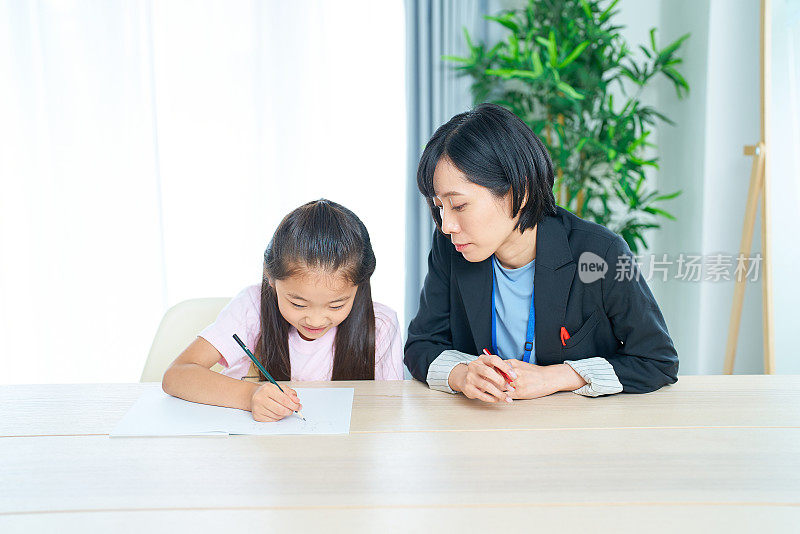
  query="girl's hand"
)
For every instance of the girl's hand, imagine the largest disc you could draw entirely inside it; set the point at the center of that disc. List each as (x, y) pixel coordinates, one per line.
(480, 380)
(534, 380)
(269, 403)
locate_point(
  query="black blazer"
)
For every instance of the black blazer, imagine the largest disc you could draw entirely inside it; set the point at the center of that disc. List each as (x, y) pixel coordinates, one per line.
(617, 320)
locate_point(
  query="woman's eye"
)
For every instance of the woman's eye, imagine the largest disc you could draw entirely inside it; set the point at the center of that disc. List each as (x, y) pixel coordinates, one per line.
(297, 305)
(337, 307)
(459, 208)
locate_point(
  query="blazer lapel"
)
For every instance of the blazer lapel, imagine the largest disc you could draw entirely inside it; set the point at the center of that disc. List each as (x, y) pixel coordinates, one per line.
(554, 273)
(475, 286)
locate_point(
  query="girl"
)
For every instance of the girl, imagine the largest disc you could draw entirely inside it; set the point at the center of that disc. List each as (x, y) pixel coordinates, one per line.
(312, 318)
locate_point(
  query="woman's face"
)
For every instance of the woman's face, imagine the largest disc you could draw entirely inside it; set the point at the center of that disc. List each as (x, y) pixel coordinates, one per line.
(477, 222)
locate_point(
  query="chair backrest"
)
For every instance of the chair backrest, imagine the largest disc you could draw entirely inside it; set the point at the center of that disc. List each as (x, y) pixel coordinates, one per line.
(177, 330)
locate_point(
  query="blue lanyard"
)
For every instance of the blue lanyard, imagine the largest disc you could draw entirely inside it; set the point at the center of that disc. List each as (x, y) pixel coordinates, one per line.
(529, 336)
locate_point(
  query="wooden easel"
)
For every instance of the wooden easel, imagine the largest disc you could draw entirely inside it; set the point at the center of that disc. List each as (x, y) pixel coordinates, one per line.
(759, 187)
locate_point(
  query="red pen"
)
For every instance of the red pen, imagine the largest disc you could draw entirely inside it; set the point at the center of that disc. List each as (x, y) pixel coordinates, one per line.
(502, 373)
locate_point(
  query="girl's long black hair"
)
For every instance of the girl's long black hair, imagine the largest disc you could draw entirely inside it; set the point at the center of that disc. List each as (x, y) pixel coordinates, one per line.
(320, 235)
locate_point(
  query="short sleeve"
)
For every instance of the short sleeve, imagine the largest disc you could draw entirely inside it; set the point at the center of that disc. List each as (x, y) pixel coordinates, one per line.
(388, 344)
(241, 316)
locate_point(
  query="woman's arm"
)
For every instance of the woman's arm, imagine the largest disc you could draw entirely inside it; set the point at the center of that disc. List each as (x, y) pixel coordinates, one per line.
(429, 353)
(646, 359)
(429, 332)
(190, 378)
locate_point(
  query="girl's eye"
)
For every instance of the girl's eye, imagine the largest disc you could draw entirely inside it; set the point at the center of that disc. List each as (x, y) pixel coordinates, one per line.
(459, 208)
(297, 305)
(337, 307)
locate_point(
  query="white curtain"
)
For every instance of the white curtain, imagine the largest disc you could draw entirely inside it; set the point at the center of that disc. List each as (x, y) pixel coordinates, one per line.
(148, 149)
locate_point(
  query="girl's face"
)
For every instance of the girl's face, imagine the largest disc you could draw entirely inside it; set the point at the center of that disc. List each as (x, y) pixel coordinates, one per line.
(314, 301)
(477, 222)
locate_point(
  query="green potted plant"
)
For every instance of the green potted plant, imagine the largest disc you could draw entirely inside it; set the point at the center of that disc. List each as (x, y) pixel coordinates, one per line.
(565, 69)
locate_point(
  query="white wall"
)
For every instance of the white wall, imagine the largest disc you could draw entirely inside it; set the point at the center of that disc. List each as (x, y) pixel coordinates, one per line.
(704, 157)
(682, 153)
(784, 164)
(732, 121)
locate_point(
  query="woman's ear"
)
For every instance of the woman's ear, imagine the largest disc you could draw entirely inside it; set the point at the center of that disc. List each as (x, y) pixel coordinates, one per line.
(509, 203)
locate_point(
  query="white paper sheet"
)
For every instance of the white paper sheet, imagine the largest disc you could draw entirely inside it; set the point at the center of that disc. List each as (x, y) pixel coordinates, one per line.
(327, 411)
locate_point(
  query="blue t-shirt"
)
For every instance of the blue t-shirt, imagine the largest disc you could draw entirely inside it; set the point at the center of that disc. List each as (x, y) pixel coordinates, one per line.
(513, 289)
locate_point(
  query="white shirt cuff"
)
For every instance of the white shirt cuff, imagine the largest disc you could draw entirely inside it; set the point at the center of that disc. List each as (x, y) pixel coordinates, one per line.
(599, 375)
(439, 370)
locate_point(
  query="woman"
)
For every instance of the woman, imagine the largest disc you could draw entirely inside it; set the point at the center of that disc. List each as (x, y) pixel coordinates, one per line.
(593, 330)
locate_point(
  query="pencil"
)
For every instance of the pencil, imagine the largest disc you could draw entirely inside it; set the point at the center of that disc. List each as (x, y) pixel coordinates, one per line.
(263, 371)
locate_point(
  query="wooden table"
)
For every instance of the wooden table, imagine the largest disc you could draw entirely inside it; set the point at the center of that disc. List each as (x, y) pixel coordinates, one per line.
(710, 453)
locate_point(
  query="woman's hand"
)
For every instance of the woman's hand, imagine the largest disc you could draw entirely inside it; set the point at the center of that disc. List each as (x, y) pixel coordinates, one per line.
(480, 380)
(269, 403)
(539, 381)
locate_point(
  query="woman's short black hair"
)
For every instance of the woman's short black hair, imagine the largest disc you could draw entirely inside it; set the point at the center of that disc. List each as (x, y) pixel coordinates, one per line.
(495, 150)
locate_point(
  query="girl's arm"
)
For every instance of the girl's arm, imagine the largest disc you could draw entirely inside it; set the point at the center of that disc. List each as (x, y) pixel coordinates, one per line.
(190, 378)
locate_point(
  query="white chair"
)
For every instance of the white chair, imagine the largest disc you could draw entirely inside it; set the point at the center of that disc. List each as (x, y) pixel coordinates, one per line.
(177, 330)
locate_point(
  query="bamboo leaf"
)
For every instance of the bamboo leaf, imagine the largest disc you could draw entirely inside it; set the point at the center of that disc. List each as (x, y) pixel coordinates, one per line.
(669, 50)
(625, 71)
(607, 13)
(586, 9)
(667, 197)
(513, 45)
(505, 20)
(569, 90)
(657, 211)
(638, 142)
(551, 48)
(466, 36)
(676, 77)
(538, 69)
(513, 73)
(574, 54)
